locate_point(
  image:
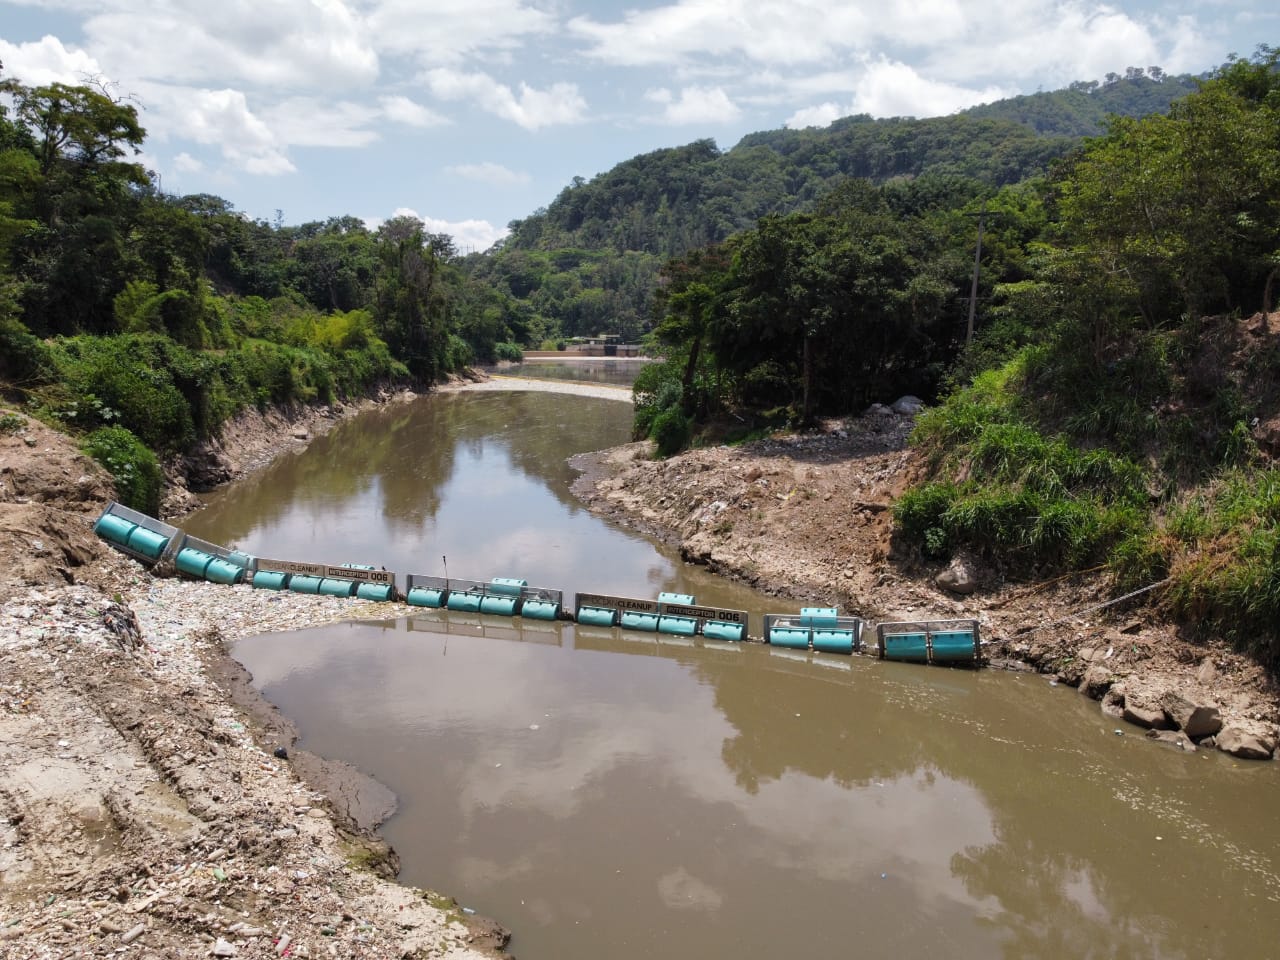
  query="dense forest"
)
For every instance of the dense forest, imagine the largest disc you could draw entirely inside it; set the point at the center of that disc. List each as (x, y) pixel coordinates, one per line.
(1069, 277)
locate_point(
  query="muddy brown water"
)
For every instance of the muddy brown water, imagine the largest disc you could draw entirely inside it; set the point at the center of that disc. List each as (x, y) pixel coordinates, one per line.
(618, 794)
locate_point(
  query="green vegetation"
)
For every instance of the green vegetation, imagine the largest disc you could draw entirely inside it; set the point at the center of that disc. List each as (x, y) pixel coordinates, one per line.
(135, 469)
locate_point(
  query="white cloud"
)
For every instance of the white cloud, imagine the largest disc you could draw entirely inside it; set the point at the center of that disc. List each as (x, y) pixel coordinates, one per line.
(451, 31)
(287, 44)
(219, 118)
(310, 122)
(487, 172)
(468, 235)
(820, 116)
(46, 61)
(531, 109)
(403, 110)
(893, 89)
(186, 163)
(695, 105)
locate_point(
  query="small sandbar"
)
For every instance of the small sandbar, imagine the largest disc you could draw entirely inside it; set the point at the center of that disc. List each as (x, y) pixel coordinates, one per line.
(601, 391)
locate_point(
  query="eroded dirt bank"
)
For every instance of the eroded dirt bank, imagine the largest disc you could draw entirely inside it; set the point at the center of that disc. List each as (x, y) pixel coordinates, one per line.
(142, 811)
(808, 517)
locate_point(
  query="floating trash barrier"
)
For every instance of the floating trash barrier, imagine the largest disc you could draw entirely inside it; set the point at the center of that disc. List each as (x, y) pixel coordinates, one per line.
(821, 628)
(675, 614)
(501, 596)
(341, 580)
(929, 641)
(142, 537)
(209, 561)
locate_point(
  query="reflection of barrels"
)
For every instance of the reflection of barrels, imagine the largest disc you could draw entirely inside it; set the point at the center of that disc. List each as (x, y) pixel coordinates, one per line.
(680, 626)
(722, 630)
(635, 620)
(375, 591)
(540, 610)
(502, 606)
(425, 597)
(114, 528)
(597, 616)
(147, 542)
(952, 646)
(270, 580)
(333, 587)
(913, 647)
(466, 602)
(302, 583)
(833, 641)
(789, 637)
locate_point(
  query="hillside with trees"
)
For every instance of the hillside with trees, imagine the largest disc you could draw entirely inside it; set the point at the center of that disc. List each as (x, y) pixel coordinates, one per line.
(1118, 408)
(590, 260)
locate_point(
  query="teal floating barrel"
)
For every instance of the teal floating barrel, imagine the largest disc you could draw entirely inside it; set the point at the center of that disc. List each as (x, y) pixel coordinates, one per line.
(722, 630)
(819, 616)
(953, 646)
(789, 637)
(680, 626)
(375, 591)
(507, 586)
(683, 599)
(193, 562)
(147, 542)
(636, 620)
(466, 602)
(302, 583)
(597, 616)
(425, 597)
(114, 528)
(540, 610)
(270, 580)
(501, 606)
(912, 647)
(833, 641)
(333, 587)
(222, 571)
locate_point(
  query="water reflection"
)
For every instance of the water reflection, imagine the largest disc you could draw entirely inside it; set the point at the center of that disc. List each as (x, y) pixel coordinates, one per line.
(654, 796)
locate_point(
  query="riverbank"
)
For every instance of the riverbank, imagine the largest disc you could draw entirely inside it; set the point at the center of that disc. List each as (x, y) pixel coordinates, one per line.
(808, 517)
(144, 807)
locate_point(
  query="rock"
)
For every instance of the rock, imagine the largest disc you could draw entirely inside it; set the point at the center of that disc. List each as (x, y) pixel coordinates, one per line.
(1096, 682)
(877, 410)
(222, 948)
(1207, 672)
(1247, 739)
(1145, 711)
(1113, 703)
(908, 406)
(1194, 719)
(301, 434)
(960, 577)
(1175, 738)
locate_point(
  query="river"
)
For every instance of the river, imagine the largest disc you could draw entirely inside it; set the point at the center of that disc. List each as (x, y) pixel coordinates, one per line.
(605, 793)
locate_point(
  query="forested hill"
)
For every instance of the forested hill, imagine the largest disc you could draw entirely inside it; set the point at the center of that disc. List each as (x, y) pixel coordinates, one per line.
(677, 199)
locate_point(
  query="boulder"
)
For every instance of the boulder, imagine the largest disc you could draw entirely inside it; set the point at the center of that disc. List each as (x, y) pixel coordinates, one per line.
(908, 406)
(1113, 703)
(1248, 739)
(1194, 719)
(1145, 710)
(877, 410)
(961, 577)
(1096, 681)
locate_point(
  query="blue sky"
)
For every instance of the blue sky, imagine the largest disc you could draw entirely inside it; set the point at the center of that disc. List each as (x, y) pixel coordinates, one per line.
(472, 113)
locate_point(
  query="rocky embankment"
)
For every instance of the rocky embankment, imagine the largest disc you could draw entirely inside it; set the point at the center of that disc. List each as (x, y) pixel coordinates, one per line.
(143, 810)
(809, 517)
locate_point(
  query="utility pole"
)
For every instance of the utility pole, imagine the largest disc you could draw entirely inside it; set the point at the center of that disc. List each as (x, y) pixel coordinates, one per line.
(973, 289)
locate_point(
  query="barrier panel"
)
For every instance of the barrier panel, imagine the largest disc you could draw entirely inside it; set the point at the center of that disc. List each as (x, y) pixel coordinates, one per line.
(501, 596)
(142, 537)
(821, 628)
(674, 614)
(200, 558)
(929, 641)
(340, 580)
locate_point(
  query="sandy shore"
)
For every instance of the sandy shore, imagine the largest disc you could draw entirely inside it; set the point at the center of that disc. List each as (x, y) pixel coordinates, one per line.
(497, 381)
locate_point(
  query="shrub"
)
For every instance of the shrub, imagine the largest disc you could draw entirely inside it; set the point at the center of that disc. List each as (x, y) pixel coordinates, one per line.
(508, 351)
(671, 431)
(23, 356)
(136, 471)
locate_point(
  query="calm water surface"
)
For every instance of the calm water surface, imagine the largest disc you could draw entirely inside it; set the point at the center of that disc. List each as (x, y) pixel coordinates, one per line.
(606, 793)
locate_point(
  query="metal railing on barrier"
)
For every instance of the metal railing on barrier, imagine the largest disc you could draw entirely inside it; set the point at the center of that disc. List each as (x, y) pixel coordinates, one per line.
(821, 628)
(929, 641)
